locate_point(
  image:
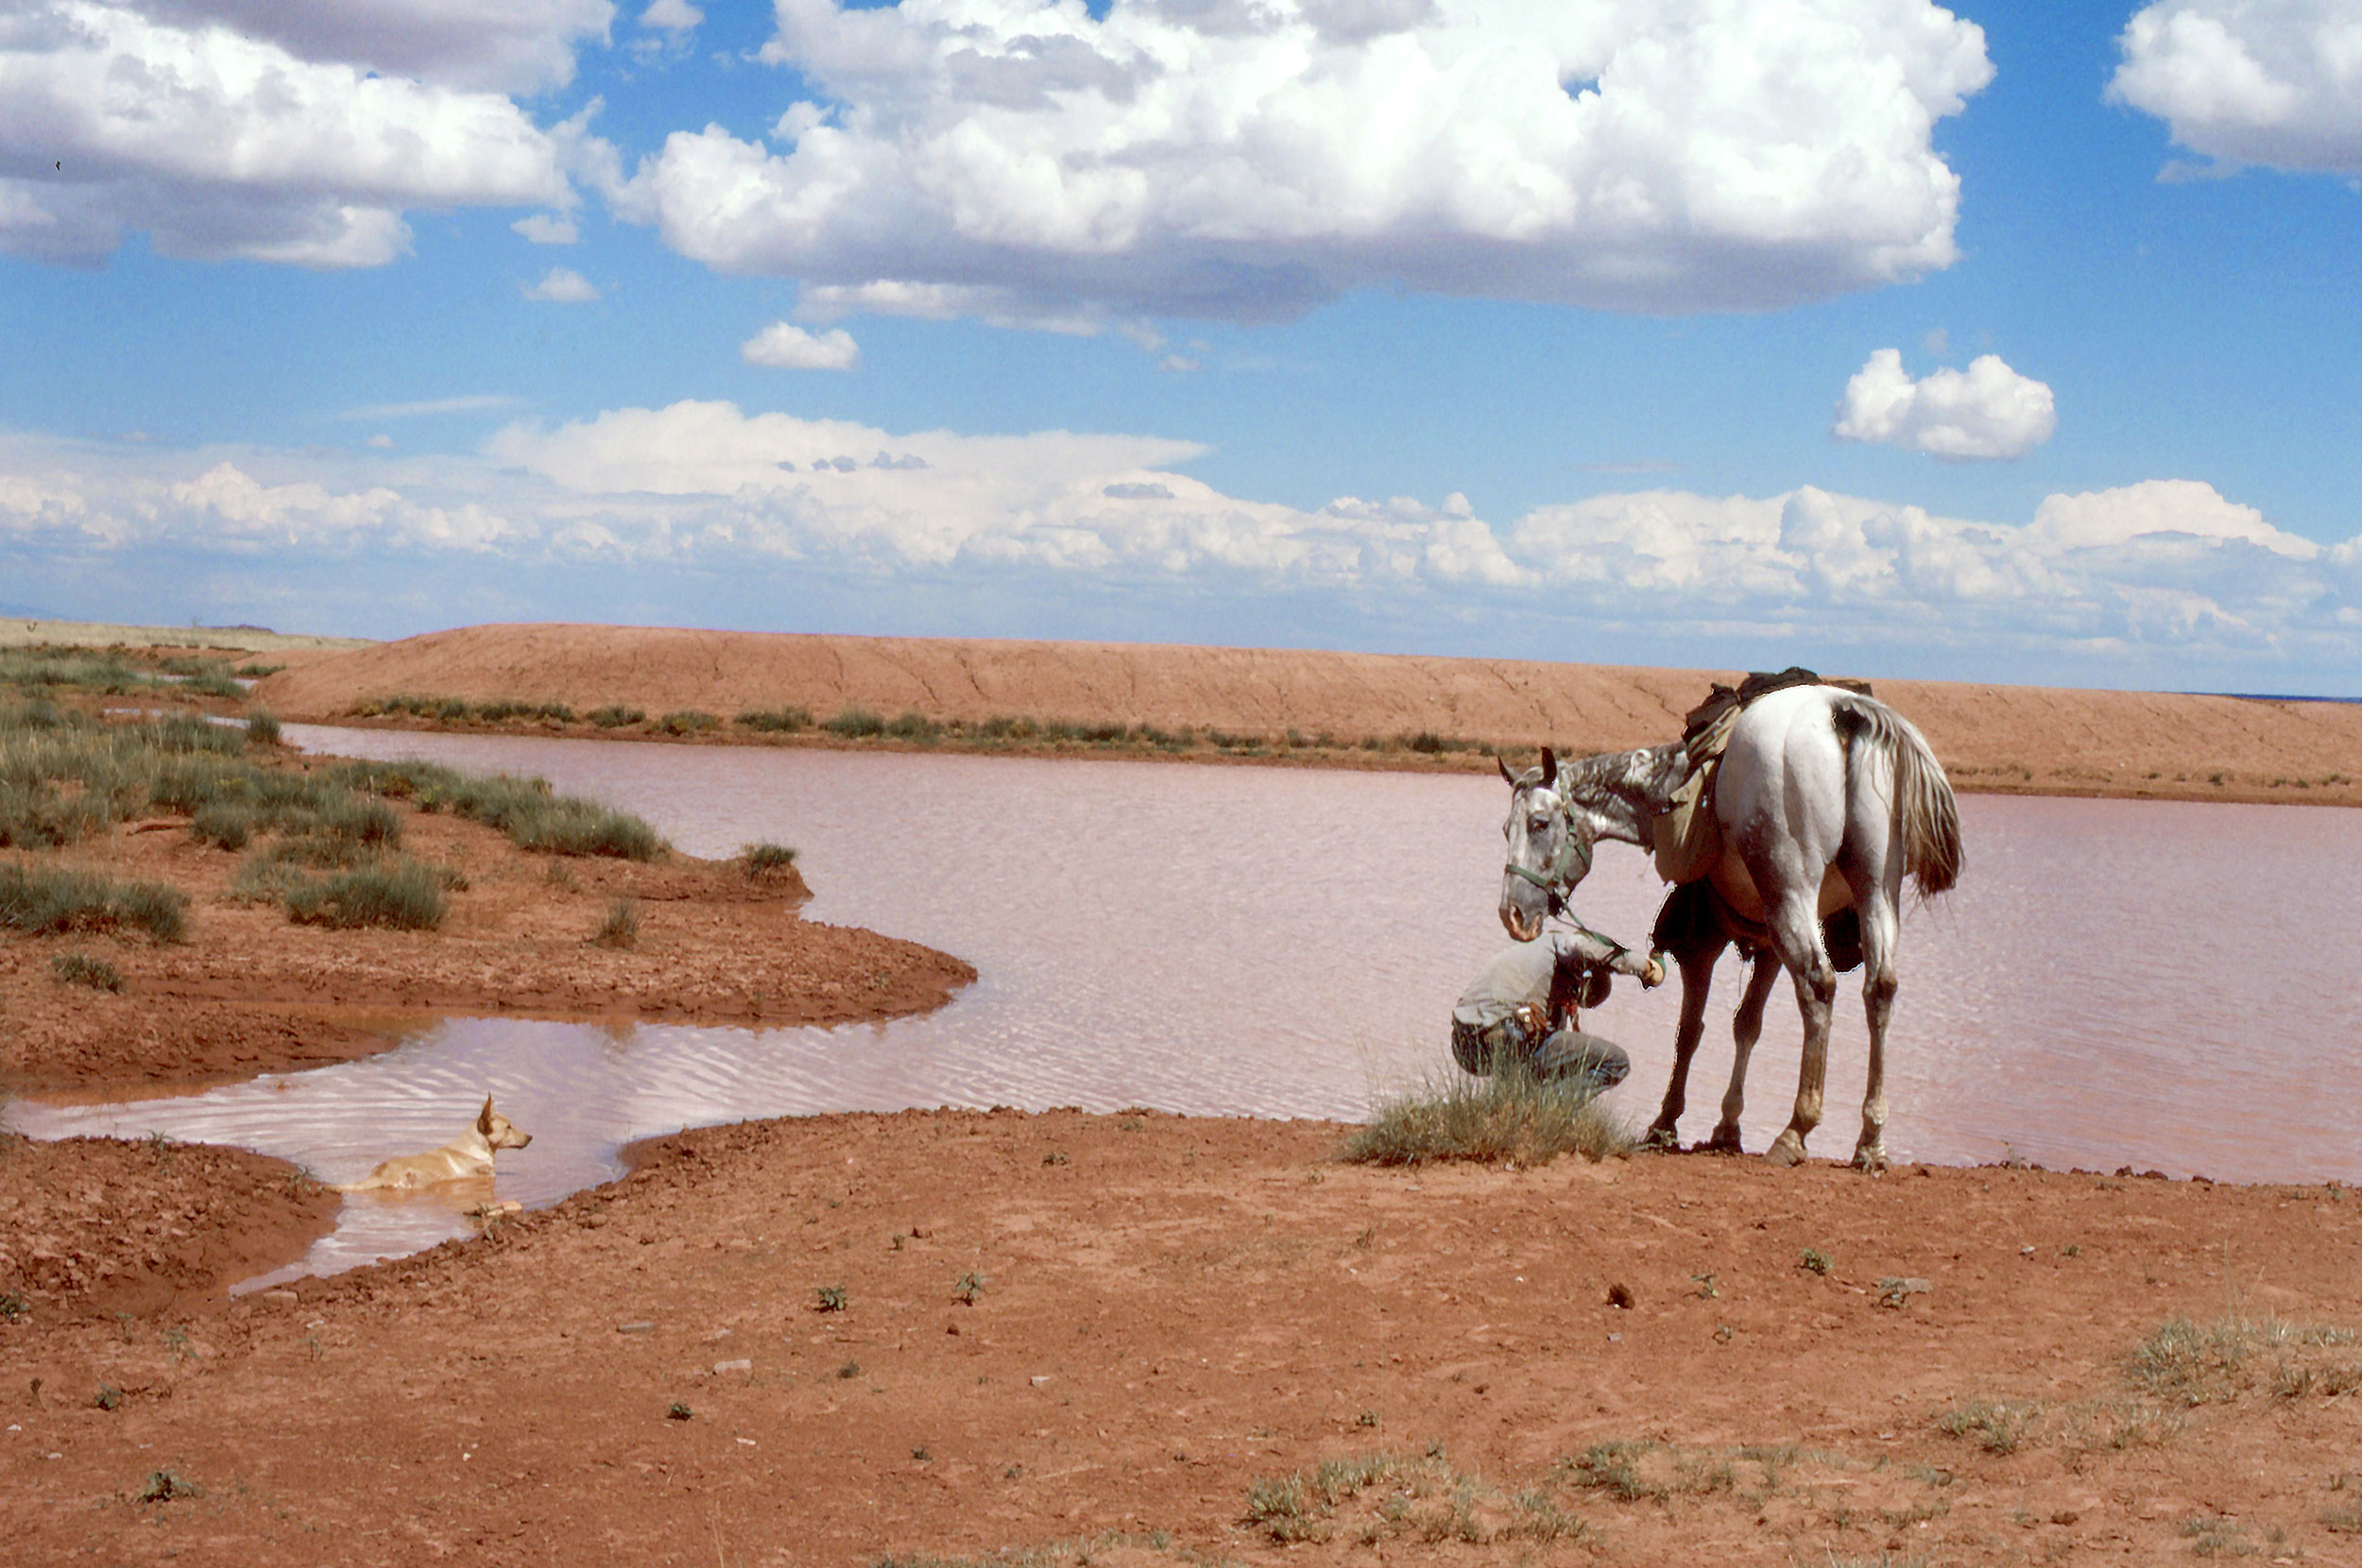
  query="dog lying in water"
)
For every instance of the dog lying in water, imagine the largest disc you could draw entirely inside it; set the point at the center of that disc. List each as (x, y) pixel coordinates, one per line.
(469, 1154)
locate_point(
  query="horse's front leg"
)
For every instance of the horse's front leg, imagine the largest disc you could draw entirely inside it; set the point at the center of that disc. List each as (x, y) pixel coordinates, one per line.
(1697, 966)
(1746, 1029)
(1797, 928)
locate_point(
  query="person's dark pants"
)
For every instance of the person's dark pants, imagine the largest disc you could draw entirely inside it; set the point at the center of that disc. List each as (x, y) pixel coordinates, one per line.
(1570, 1054)
(1567, 1055)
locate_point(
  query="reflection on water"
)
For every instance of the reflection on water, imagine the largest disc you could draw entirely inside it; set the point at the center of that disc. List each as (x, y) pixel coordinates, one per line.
(2113, 982)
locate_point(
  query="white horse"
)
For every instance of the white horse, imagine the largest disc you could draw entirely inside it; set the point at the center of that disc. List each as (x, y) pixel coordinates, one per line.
(1825, 800)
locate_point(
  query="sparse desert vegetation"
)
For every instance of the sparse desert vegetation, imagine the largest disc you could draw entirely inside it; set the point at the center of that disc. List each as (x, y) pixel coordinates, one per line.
(1509, 1118)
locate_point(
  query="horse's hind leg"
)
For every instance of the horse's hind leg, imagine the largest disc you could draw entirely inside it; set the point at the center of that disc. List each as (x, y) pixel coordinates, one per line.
(1697, 962)
(1796, 925)
(1879, 927)
(1746, 1029)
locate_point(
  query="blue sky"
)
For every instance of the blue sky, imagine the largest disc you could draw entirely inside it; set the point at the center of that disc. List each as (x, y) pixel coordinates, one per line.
(1300, 322)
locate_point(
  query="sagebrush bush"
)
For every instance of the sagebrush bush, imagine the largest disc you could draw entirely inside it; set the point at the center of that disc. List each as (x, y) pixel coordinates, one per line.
(45, 899)
(785, 721)
(620, 929)
(525, 809)
(402, 895)
(82, 969)
(855, 722)
(759, 859)
(1512, 1116)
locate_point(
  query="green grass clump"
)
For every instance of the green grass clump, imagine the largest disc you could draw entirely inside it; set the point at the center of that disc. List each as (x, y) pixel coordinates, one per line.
(458, 710)
(687, 720)
(2196, 1363)
(776, 721)
(82, 969)
(1512, 1117)
(759, 859)
(402, 895)
(616, 716)
(910, 725)
(526, 809)
(261, 728)
(620, 929)
(1997, 1427)
(80, 669)
(45, 900)
(855, 724)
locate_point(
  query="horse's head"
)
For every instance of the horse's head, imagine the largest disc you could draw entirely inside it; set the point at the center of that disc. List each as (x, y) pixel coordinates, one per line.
(1549, 848)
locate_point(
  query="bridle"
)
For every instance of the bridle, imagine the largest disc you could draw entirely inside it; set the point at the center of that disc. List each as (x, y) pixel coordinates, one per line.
(1571, 865)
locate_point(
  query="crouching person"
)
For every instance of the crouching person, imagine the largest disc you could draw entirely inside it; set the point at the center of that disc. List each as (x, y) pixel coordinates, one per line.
(1522, 1006)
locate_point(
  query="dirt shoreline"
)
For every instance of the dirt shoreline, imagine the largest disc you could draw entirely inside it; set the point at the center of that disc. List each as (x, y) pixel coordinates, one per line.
(1068, 1328)
(1994, 738)
(250, 993)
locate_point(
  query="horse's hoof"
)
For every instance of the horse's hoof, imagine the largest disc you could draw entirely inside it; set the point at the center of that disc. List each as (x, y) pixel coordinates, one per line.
(1661, 1138)
(1870, 1158)
(1788, 1149)
(1725, 1141)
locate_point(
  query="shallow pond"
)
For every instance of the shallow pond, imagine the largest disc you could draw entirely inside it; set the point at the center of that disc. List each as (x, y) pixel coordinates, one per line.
(2113, 983)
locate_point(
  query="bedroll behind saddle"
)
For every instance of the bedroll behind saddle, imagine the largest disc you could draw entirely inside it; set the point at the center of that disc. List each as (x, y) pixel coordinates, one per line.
(1688, 841)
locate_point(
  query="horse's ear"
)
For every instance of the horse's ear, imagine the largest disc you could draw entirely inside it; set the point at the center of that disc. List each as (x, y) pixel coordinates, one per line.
(1507, 777)
(1549, 767)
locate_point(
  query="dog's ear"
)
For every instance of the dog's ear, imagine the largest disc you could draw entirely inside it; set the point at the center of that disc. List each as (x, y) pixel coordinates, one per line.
(484, 1117)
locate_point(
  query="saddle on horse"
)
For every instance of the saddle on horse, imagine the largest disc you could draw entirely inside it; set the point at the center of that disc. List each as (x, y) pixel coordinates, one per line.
(1688, 838)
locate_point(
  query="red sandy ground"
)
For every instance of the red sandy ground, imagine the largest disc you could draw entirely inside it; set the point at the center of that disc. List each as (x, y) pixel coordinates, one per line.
(2003, 739)
(1168, 1312)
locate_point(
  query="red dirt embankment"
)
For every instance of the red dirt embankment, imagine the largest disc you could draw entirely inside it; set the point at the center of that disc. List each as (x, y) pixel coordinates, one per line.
(2029, 739)
(1056, 1326)
(249, 993)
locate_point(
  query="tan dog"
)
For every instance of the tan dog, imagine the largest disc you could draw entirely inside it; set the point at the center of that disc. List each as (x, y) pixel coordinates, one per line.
(469, 1154)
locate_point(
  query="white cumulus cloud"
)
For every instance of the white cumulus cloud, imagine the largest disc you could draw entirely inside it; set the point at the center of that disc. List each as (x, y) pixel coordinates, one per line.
(785, 347)
(672, 16)
(1038, 164)
(2166, 581)
(2277, 82)
(281, 133)
(548, 229)
(1988, 410)
(563, 285)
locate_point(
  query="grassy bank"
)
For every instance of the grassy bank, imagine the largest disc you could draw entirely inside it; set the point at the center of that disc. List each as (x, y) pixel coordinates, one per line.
(854, 726)
(324, 839)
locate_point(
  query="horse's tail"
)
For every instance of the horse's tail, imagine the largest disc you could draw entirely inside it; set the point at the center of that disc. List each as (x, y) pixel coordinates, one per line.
(1924, 807)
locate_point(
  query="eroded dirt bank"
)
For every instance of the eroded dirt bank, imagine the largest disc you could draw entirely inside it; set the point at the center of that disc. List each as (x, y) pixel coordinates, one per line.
(249, 991)
(1168, 1314)
(1992, 737)
(93, 1227)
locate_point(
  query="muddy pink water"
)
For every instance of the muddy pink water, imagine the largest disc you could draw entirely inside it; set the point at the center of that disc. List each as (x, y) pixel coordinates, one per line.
(2161, 985)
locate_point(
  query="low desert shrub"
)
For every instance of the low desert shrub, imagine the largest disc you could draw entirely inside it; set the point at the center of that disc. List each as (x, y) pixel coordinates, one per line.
(620, 929)
(687, 720)
(776, 721)
(760, 858)
(403, 895)
(82, 969)
(855, 724)
(1511, 1116)
(525, 809)
(261, 728)
(616, 716)
(43, 900)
